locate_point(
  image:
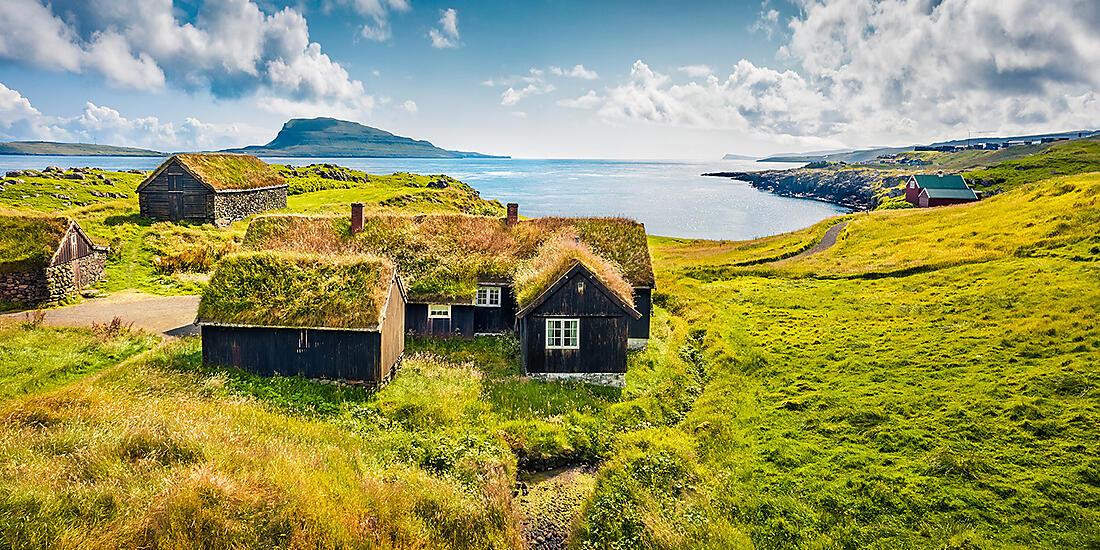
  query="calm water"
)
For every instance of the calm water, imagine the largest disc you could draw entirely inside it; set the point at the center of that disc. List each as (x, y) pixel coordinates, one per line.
(671, 198)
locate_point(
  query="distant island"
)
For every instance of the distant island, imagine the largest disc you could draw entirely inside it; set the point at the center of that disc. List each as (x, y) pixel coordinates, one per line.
(73, 149)
(731, 156)
(329, 137)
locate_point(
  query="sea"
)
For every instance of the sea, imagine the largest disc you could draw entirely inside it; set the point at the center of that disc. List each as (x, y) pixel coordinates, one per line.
(671, 198)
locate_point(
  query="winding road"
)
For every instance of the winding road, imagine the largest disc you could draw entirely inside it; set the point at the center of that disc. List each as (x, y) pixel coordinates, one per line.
(168, 315)
(827, 241)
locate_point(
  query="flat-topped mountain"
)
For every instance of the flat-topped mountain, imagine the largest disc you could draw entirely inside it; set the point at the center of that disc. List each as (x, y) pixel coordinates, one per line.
(329, 137)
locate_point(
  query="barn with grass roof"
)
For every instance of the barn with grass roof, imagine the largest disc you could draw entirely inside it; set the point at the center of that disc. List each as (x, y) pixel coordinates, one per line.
(334, 317)
(46, 259)
(217, 188)
(471, 275)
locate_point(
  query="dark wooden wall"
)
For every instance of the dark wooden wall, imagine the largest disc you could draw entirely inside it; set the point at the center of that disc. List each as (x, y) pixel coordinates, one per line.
(603, 330)
(461, 323)
(497, 319)
(67, 251)
(177, 196)
(393, 332)
(332, 354)
(643, 302)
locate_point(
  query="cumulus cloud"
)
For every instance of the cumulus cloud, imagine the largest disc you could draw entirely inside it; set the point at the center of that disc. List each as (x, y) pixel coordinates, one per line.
(376, 12)
(446, 36)
(511, 96)
(102, 124)
(892, 71)
(409, 106)
(231, 48)
(578, 71)
(767, 22)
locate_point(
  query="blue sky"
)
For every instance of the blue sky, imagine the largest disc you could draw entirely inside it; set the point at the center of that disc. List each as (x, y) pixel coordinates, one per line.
(551, 78)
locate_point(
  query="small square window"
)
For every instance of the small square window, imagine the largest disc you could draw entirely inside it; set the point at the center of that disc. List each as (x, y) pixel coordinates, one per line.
(488, 296)
(563, 333)
(439, 311)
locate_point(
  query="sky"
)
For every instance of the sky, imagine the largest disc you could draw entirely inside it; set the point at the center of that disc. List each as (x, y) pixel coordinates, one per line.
(551, 78)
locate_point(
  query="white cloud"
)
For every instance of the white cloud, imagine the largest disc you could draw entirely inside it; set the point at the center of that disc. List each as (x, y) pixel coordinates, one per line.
(586, 101)
(578, 71)
(102, 124)
(231, 48)
(696, 71)
(893, 71)
(767, 22)
(446, 36)
(376, 12)
(409, 106)
(511, 96)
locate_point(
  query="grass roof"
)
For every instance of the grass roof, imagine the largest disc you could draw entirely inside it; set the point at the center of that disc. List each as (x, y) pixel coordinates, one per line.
(276, 288)
(29, 242)
(228, 171)
(443, 256)
(555, 258)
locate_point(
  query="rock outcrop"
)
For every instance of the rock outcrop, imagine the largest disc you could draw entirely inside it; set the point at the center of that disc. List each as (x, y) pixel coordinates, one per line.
(856, 188)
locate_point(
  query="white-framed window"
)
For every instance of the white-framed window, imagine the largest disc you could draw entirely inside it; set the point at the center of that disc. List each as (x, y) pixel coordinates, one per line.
(488, 296)
(563, 334)
(439, 311)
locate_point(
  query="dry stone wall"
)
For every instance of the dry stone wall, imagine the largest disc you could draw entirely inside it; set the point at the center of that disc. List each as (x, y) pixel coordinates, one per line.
(52, 284)
(230, 207)
(615, 379)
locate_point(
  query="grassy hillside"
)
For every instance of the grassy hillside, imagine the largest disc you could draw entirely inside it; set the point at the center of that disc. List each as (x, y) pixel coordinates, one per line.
(171, 258)
(67, 149)
(1074, 157)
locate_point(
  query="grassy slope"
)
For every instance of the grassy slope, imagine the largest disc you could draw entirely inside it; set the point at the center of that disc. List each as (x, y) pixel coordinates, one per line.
(169, 258)
(943, 408)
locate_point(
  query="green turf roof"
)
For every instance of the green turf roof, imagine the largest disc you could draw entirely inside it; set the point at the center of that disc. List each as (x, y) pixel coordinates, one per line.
(273, 288)
(29, 242)
(225, 171)
(442, 257)
(934, 193)
(933, 181)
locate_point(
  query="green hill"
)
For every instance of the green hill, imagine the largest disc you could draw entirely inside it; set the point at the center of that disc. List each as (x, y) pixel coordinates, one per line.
(72, 149)
(328, 137)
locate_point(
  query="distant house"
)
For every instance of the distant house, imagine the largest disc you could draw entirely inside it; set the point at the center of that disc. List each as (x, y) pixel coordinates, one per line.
(217, 188)
(470, 275)
(317, 316)
(45, 259)
(926, 190)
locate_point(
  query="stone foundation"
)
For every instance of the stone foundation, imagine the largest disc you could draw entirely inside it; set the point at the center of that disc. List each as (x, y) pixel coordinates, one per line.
(53, 284)
(614, 379)
(229, 207)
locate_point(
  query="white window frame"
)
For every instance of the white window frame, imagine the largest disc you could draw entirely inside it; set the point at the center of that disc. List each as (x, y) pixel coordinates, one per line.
(487, 296)
(557, 336)
(439, 314)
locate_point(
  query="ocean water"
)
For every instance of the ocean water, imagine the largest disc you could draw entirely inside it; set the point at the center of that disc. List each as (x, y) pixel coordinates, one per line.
(670, 197)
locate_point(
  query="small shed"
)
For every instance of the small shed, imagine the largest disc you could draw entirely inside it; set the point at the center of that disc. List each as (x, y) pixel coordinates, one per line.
(926, 190)
(217, 188)
(46, 259)
(336, 317)
(577, 327)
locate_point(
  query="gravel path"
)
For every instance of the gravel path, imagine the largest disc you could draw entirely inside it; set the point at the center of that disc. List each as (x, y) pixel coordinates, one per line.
(170, 315)
(826, 242)
(549, 503)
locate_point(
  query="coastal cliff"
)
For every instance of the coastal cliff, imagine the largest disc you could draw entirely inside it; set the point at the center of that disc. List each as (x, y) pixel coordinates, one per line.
(856, 188)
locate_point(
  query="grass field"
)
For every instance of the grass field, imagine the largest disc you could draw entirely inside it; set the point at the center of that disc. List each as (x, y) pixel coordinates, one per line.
(929, 382)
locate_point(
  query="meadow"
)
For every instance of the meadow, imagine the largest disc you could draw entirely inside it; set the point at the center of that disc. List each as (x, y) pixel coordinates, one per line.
(929, 382)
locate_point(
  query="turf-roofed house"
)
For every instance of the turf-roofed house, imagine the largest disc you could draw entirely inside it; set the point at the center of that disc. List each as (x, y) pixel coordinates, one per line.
(585, 281)
(45, 259)
(217, 188)
(926, 190)
(332, 316)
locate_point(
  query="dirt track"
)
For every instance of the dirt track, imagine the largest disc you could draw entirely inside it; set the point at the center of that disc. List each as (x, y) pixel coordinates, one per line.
(827, 241)
(170, 315)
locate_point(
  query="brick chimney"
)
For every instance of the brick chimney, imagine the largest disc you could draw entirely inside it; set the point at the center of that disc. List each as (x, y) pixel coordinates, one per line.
(513, 214)
(356, 217)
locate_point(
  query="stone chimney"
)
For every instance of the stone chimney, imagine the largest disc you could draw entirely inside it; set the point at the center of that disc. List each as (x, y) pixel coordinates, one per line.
(513, 214)
(356, 217)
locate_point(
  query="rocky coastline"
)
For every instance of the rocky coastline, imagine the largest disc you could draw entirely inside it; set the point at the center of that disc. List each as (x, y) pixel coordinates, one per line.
(858, 189)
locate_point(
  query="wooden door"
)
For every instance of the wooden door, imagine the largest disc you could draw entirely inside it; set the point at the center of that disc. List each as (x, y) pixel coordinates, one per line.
(175, 198)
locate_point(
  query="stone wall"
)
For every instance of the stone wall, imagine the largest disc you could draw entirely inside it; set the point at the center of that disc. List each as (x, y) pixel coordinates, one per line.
(24, 287)
(230, 207)
(53, 284)
(616, 379)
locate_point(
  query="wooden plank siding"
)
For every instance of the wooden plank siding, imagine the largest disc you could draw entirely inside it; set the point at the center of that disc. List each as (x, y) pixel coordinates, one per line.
(643, 302)
(603, 328)
(393, 332)
(74, 245)
(311, 353)
(176, 195)
(460, 325)
(495, 320)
